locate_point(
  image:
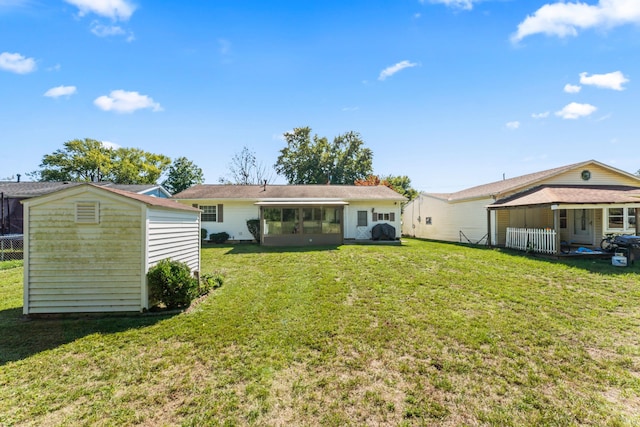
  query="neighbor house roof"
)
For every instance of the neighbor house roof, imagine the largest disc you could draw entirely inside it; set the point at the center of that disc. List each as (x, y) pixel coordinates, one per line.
(289, 192)
(517, 183)
(24, 190)
(571, 194)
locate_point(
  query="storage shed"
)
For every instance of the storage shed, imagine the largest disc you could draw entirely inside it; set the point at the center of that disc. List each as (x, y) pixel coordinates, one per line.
(88, 248)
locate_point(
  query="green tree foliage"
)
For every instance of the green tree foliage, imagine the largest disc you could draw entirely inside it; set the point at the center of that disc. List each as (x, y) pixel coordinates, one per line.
(183, 173)
(88, 160)
(307, 160)
(402, 184)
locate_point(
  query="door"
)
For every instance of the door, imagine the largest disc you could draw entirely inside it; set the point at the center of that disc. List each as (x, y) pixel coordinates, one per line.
(583, 226)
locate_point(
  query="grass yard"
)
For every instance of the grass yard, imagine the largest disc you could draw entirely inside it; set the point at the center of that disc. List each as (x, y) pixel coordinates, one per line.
(421, 334)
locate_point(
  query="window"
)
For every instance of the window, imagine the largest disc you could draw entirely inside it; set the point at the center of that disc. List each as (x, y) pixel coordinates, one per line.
(362, 218)
(211, 213)
(385, 216)
(563, 218)
(621, 219)
(311, 220)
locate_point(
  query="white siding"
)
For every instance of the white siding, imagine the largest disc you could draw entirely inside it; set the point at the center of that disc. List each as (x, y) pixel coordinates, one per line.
(74, 267)
(351, 229)
(175, 235)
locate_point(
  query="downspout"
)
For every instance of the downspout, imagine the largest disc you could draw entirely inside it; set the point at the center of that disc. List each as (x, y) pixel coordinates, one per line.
(556, 228)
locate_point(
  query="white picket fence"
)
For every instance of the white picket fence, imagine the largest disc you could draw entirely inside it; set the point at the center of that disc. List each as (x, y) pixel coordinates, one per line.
(540, 240)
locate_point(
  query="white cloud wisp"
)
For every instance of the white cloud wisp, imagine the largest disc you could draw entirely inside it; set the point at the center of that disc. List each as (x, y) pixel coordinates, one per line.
(114, 9)
(16, 63)
(121, 101)
(564, 19)
(612, 81)
(390, 71)
(575, 111)
(569, 88)
(56, 92)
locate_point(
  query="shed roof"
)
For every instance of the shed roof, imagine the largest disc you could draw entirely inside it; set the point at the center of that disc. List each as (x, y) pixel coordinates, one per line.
(27, 189)
(289, 192)
(571, 194)
(518, 183)
(148, 200)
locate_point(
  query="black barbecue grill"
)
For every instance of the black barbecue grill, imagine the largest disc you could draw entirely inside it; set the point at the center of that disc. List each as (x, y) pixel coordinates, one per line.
(630, 245)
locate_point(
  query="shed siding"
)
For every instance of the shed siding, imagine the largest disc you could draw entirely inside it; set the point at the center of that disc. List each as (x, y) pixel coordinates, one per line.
(84, 267)
(175, 235)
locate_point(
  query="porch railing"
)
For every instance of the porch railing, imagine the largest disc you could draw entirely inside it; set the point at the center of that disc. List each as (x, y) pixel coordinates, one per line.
(539, 240)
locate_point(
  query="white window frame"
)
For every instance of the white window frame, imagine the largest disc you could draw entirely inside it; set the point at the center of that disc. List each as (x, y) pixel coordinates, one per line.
(627, 219)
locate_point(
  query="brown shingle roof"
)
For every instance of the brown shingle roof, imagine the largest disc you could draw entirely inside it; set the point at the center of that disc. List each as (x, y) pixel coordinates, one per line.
(27, 189)
(571, 194)
(148, 200)
(279, 192)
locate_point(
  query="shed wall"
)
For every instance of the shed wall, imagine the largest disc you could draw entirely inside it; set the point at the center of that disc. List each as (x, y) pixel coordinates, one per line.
(75, 267)
(175, 235)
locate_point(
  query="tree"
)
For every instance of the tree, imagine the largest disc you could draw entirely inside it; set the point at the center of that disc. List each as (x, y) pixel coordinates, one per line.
(245, 169)
(399, 184)
(316, 161)
(183, 173)
(88, 160)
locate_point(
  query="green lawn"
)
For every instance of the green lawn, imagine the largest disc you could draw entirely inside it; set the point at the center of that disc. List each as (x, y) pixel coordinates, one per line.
(420, 334)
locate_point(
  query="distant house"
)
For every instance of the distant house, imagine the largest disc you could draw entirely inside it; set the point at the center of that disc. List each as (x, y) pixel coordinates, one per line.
(12, 193)
(295, 214)
(87, 248)
(578, 203)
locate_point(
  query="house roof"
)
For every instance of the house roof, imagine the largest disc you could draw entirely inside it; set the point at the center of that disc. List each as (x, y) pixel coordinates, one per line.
(571, 194)
(517, 183)
(148, 200)
(27, 189)
(289, 192)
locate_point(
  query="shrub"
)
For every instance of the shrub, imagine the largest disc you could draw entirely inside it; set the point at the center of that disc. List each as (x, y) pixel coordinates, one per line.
(209, 282)
(254, 228)
(219, 237)
(171, 283)
(203, 233)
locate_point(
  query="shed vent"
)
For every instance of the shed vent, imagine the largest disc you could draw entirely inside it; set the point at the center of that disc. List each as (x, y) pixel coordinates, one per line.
(87, 212)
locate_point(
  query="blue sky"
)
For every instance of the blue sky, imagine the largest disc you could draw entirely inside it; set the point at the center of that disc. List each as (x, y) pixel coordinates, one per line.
(452, 93)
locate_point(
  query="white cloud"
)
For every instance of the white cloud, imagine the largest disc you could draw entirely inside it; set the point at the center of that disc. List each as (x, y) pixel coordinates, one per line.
(122, 101)
(110, 145)
(565, 19)
(513, 125)
(613, 80)
(58, 91)
(114, 9)
(569, 88)
(390, 71)
(540, 115)
(106, 30)
(16, 63)
(350, 108)
(575, 111)
(460, 4)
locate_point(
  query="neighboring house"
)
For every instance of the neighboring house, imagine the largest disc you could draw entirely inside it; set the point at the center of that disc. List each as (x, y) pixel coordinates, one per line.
(578, 203)
(87, 248)
(12, 193)
(295, 214)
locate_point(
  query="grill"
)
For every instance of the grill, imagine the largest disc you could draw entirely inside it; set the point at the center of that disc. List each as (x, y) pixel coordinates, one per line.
(630, 245)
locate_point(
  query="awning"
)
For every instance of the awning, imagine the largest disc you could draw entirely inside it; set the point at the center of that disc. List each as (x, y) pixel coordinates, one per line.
(571, 195)
(303, 203)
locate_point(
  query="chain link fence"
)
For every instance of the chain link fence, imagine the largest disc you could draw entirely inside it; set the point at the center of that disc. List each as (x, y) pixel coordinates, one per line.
(11, 247)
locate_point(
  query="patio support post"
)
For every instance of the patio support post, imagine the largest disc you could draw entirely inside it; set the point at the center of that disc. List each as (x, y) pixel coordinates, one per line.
(556, 228)
(637, 223)
(489, 226)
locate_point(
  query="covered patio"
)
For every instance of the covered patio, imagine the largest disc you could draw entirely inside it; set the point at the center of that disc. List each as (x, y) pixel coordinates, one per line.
(539, 219)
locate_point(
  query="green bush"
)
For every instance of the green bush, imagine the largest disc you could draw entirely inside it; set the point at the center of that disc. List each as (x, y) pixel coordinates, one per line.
(171, 283)
(203, 233)
(209, 282)
(254, 228)
(219, 237)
